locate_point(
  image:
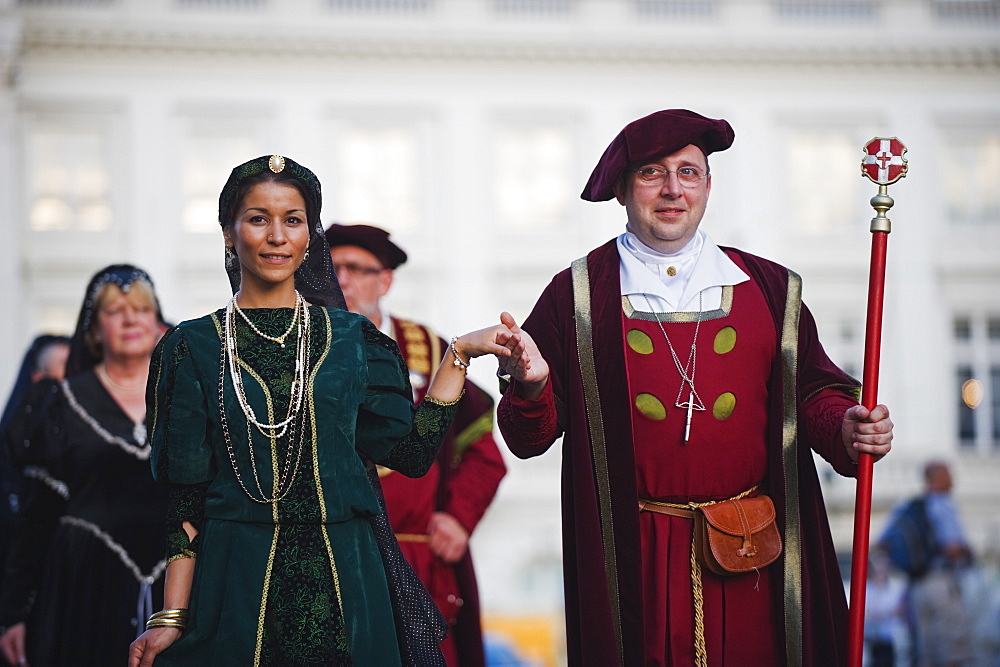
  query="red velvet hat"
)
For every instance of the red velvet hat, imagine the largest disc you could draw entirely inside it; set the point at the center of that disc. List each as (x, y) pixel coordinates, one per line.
(652, 137)
(373, 239)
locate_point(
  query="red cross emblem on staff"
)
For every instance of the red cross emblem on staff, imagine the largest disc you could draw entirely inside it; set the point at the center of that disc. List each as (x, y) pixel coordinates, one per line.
(884, 162)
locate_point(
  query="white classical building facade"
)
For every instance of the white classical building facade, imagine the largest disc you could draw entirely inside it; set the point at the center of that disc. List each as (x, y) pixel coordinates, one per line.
(468, 128)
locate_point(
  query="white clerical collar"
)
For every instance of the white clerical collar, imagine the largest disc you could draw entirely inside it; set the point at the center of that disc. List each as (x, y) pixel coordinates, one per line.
(698, 268)
(386, 326)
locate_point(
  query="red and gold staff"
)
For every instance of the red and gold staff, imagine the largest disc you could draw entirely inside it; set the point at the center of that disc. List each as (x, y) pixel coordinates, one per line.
(883, 164)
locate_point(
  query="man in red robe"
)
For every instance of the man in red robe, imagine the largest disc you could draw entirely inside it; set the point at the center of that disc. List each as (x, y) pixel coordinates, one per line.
(680, 373)
(434, 515)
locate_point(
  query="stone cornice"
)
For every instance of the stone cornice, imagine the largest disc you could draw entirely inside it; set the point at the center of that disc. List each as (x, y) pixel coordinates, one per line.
(98, 42)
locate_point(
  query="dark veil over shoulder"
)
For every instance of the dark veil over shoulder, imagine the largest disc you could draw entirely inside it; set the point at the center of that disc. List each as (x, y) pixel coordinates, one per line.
(420, 627)
(315, 278)
(81, 357)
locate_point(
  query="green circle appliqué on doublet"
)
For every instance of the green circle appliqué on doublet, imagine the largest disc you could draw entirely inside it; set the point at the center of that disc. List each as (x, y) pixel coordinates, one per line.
(651, 406)
(639, 341)
(724, 406)
(725, 340)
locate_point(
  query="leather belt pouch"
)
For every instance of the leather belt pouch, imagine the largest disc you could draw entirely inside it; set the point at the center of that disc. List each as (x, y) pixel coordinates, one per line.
(736, 536)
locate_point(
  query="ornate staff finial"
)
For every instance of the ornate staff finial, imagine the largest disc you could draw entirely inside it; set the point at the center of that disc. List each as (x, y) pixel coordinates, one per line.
(883, 164)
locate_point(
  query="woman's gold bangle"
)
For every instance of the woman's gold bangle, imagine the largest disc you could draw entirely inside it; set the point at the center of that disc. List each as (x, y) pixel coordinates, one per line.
(168, 618)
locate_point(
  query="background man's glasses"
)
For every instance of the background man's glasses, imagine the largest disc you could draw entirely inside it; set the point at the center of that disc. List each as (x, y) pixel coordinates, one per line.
(356, 269)
(688, 177)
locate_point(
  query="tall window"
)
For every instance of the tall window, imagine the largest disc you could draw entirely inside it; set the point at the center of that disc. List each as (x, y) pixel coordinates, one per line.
(378, 169)
(843, 339)
(970, 179)
(977, 374)
(69, 185)
(535, 178)
(212, 149)
(823, 170)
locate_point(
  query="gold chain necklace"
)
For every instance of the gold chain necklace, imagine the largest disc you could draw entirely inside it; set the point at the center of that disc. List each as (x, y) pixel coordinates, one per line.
(686, 371)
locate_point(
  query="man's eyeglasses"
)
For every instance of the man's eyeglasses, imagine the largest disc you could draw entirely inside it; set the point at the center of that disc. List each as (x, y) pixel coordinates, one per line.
(356, 269)
(688, 177)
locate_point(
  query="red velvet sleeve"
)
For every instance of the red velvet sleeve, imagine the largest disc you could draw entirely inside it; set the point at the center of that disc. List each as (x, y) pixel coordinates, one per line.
(822, 417)
(529, 427)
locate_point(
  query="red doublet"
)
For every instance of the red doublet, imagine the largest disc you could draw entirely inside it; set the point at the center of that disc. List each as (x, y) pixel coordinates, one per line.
(725, 455)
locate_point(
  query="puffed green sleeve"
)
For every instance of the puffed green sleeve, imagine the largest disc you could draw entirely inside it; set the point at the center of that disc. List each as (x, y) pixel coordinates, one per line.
(181, 455)
(389, 430)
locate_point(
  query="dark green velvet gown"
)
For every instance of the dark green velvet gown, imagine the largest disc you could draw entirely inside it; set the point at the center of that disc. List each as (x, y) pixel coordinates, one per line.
(300, 581)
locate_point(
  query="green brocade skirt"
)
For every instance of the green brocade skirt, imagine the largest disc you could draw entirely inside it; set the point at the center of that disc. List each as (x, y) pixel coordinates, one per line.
(266, 594)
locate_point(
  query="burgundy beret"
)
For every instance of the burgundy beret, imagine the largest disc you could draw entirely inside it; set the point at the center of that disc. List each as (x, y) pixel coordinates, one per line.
(652, 137)
(373, 239)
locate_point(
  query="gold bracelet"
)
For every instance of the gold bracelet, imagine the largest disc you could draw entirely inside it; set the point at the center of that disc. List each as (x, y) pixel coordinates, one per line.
(164, 623)
(168, 618)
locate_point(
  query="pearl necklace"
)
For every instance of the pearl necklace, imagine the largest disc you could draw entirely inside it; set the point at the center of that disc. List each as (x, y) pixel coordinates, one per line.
(279, 339)
(686, 371)
(273, 431)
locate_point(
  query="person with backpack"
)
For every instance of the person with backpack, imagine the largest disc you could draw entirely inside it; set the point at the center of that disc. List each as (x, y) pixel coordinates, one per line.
(924, 539)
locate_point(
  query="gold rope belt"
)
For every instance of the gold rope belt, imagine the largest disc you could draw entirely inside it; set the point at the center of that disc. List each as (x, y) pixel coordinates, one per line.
(412, 537)
(686, 511)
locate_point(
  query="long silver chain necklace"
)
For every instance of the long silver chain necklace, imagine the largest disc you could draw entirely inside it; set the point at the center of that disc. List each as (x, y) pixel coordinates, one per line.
(229, 354)
(686, 371)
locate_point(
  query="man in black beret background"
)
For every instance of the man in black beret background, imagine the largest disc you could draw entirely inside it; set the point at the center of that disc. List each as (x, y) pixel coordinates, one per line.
(434, 515)
(682, 374)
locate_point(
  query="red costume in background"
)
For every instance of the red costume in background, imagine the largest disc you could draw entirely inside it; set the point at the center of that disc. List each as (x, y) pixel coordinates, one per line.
(627, 581)
(462, 483)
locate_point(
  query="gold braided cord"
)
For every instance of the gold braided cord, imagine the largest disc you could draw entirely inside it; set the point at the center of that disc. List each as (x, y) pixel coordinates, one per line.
(311, 407)
(263, 594)
(700, 647)
(693, 505)
(700, 650)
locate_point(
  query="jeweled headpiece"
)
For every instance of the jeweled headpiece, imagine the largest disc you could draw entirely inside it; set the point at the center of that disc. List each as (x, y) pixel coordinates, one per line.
(121, 275)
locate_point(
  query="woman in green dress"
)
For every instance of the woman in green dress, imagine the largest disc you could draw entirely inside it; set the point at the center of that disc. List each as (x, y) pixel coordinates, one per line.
(263, 417)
